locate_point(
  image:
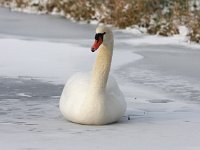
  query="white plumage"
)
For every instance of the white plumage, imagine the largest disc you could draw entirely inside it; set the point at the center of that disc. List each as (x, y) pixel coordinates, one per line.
(94, 98)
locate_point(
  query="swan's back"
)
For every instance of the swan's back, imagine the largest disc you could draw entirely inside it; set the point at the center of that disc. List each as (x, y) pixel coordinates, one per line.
(109, 107)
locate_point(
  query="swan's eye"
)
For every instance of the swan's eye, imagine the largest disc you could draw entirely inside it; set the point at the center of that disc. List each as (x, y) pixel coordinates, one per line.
(99, 35)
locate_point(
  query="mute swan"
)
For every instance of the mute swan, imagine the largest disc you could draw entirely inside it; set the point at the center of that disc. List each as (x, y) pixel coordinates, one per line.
(94, 99)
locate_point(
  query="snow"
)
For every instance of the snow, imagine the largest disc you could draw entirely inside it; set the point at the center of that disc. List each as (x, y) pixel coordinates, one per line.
(159, 40)
(53, 62)
(138, 31)
(183, 30)
(23, 94)
(163, 107)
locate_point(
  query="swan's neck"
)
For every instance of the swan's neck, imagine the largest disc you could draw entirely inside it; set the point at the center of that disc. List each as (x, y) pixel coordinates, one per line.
(101, 69)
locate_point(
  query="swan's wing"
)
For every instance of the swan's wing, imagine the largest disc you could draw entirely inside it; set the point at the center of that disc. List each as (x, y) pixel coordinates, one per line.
(115, 99)
(77, 84)
(78, 80)
(113, 89)
(75, 88)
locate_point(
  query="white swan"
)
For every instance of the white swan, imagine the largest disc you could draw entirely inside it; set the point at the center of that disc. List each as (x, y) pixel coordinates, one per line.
(94, 99)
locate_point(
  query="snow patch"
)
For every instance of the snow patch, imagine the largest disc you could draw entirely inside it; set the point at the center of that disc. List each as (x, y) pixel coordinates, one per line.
(159, 40)
(23, 95)
(183, 30)
(51, 61)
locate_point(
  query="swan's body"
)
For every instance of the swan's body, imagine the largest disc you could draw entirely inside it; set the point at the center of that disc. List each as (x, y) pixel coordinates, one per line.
(94, 98)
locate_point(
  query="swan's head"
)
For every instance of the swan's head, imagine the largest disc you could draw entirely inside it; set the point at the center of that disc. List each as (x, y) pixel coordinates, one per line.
(103, 36)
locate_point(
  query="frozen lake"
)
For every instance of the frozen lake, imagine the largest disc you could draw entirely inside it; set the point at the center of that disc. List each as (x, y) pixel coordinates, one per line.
(162, 89)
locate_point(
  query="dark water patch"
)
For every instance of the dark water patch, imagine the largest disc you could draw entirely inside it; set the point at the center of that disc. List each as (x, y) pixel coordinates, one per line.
(25, 98)
(14, 88)
(160, 101)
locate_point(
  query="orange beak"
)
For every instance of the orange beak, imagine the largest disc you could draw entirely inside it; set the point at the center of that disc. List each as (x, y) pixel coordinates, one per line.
(96, 44)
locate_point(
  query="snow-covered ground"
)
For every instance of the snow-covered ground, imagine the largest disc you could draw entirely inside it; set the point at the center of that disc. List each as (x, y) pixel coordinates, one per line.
(50, 61)
(160, 78)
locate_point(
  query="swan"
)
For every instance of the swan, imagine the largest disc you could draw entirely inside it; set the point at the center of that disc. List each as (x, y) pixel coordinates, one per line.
(94, 98)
